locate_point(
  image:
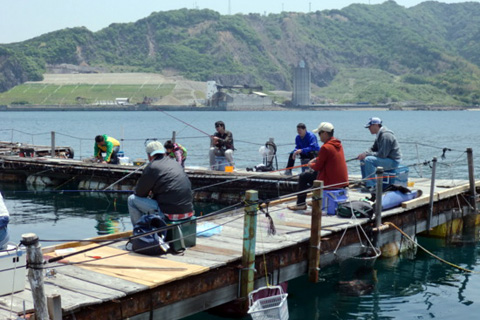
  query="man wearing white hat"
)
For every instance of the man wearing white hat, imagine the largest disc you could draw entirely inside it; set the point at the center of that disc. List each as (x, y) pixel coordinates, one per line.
(329, 166)
(167, 184)
(385, 152)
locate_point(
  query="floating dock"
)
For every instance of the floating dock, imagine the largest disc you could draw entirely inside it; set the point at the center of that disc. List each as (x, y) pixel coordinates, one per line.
(109, 282)
(221, 187)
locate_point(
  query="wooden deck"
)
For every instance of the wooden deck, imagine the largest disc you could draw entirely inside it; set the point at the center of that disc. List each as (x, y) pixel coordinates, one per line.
(123, 284)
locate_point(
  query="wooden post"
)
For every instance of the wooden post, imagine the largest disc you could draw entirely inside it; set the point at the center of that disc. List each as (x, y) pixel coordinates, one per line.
(249, 241)
(378, 205)
(54, 303)
(52, 153)
(35, 275)
(174, 135)
(315, 232)
(471, 178)
(432, 190)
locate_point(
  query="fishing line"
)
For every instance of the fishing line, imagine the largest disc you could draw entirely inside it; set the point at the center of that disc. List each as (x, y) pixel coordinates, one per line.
(428, 252)
(128, 175)
(253, 176)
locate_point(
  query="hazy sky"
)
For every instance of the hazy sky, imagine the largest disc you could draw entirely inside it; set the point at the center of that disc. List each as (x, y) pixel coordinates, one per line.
(24, 19)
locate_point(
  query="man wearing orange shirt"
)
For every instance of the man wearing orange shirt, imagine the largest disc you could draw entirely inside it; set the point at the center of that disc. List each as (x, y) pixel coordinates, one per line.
(330, 166)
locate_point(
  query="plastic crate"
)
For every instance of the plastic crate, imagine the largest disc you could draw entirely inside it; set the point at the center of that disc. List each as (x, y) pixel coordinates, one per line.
(273, 307)
(331, 199)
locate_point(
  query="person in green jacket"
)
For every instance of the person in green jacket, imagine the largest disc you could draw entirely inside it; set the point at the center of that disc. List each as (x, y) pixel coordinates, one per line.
(110, 146)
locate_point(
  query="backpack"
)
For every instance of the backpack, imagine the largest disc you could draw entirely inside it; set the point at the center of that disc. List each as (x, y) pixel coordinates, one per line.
(152, 244)
(361, 209)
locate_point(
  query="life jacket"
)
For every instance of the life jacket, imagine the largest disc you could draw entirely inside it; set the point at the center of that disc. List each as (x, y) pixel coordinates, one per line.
(176, 147)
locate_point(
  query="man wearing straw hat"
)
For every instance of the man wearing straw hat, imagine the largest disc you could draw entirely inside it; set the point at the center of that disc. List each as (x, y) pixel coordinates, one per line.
(167, 185)
(330, 166)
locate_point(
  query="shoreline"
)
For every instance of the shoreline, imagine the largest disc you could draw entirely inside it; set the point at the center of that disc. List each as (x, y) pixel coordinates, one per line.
(142, 107)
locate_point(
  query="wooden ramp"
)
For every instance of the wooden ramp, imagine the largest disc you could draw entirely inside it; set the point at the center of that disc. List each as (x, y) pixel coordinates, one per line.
(118, 284)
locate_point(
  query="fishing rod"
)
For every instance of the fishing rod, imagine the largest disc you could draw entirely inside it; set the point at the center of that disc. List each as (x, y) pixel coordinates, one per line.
(186, 123)
(66, 191)
(356, 158)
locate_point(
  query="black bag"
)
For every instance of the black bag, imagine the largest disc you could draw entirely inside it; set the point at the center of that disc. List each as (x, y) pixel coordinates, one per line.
(361, 209)
(152, 244)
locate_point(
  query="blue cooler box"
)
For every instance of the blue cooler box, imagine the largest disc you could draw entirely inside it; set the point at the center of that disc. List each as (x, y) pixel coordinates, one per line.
(398, 176)
(331, 199)
(220, 163)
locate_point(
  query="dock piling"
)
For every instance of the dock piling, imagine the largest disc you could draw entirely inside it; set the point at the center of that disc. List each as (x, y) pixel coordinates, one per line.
(52, 152)
(249, 240)
(174, 136)
(432, 190)
(315, 232)
(471, 179)
(35, 275)
(378, 204)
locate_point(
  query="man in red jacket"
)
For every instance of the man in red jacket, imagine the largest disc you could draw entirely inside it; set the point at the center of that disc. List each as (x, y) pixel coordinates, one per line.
(330, 166)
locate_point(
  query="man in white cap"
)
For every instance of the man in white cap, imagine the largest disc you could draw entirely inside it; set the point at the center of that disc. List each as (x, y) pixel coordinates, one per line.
(330, 166)
(167, 185)
(384, 152)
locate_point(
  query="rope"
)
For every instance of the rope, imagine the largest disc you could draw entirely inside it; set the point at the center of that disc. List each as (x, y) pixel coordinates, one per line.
(428, 252)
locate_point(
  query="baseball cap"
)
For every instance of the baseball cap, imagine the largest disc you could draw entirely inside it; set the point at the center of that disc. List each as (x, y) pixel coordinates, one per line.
(154, 147)
(373, 120)
(324, 126)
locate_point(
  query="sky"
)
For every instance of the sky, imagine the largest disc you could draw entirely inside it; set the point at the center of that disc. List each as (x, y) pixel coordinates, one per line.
(25, 19)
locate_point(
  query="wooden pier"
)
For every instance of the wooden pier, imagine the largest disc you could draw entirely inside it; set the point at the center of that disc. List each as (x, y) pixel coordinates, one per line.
(221, 187)
(30, 150)
(118, 284)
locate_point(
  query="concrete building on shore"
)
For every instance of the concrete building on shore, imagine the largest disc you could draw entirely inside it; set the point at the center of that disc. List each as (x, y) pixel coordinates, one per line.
(301, 85)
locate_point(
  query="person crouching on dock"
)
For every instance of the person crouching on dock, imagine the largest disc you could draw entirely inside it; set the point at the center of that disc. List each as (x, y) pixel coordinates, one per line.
(110, 146)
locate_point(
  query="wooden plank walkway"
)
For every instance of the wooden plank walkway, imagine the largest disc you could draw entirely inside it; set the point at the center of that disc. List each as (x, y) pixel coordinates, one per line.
(123, 284)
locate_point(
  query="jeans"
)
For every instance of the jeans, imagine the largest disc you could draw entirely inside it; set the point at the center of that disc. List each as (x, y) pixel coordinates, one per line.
(114, 157)
(369, 167)
(138, 206)
(4, 237)
(228, 154)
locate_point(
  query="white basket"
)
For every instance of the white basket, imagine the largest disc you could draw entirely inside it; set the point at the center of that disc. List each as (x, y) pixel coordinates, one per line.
(274, 307)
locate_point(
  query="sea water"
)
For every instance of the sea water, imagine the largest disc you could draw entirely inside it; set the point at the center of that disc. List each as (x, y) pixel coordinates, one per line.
(417, 287)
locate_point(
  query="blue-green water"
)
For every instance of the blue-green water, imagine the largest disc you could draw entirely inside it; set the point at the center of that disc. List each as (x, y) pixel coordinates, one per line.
(407, 288)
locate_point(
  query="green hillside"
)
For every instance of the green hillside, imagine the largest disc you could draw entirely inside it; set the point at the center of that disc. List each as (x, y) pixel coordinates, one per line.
(377, 53)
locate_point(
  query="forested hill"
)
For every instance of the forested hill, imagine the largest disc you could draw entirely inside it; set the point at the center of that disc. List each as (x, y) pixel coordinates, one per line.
(431, 48)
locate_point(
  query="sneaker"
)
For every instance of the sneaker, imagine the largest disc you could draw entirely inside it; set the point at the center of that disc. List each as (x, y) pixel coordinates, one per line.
(296, 207)
(286, 173)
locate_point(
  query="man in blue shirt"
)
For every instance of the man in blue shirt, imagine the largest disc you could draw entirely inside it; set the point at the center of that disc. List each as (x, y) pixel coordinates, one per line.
(306, 147)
